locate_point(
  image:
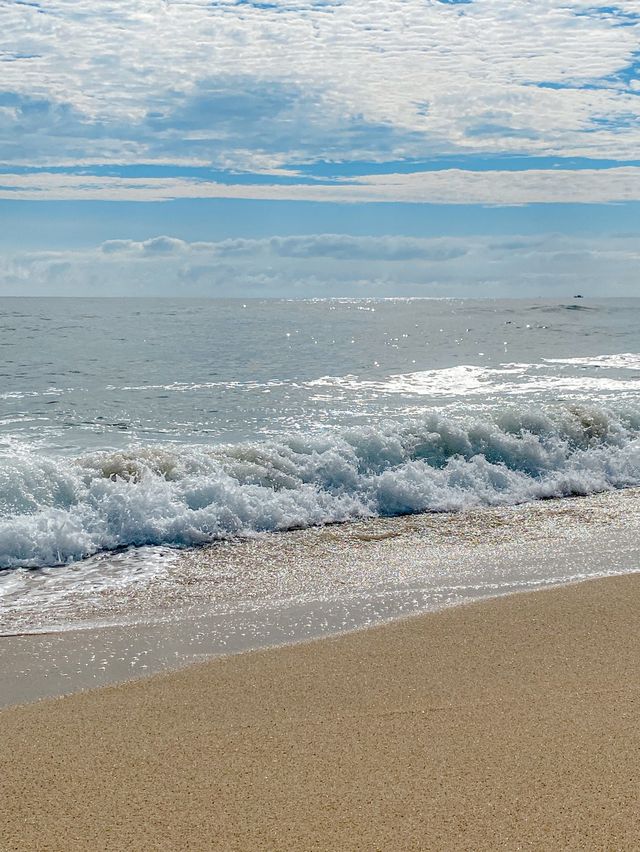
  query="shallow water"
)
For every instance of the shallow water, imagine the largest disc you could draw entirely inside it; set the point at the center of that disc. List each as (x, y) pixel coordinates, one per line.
(291, 587)
(406, 564)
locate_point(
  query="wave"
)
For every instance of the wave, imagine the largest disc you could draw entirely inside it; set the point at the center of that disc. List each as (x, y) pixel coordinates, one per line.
(57, 510)
(550, 309)
(622, 361)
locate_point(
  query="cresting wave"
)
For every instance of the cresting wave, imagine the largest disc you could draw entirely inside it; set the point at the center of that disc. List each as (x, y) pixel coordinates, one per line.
(56, 510)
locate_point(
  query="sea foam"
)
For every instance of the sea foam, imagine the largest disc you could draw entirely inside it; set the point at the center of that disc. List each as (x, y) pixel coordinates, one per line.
(55, 510)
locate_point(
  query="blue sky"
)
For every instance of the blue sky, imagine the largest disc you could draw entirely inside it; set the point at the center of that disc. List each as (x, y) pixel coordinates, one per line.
(420, 147)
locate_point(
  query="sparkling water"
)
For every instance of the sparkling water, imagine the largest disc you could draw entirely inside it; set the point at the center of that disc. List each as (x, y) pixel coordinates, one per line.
(132, 427)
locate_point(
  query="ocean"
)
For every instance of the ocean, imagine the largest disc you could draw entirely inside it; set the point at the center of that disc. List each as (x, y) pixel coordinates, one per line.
(159, 454)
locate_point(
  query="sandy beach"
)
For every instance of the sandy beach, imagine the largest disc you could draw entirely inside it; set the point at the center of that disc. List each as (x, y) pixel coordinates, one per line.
(511, 723)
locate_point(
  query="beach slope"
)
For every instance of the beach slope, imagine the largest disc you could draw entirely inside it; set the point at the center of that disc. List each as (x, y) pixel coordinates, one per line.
(507, 724)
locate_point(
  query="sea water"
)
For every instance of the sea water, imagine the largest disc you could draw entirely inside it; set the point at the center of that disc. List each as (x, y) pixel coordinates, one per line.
(133, 430)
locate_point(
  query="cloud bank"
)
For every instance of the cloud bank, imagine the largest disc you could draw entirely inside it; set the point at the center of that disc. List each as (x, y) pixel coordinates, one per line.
(326, 265)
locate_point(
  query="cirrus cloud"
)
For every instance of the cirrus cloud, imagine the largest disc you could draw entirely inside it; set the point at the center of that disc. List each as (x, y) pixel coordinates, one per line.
(444, 186)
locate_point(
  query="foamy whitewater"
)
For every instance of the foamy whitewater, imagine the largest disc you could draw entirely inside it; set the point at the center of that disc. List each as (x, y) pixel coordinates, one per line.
(159, 424)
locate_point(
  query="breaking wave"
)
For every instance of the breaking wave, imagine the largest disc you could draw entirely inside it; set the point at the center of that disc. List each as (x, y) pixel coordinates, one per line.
(56, 510)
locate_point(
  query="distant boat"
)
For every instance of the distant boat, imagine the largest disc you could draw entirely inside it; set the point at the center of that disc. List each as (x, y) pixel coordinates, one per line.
(578, 296)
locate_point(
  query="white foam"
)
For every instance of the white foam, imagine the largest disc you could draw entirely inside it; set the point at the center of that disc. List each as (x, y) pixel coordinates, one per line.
(624, 360)
(517, 379)
(57, 510)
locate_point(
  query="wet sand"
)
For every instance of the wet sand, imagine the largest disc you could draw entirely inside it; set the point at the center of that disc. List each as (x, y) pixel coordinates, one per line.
(508, 724)
(291, 587)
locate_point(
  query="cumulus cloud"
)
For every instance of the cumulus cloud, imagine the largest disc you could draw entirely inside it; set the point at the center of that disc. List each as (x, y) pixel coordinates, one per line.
(157, 246)
(163, 246)
(321, 265)
(116, 246)
(345, 247)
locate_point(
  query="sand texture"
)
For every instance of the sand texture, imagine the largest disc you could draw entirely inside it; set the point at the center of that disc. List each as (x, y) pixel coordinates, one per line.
(508, 724)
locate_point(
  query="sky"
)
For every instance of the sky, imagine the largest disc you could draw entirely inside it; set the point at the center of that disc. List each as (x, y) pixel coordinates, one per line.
(318, 148)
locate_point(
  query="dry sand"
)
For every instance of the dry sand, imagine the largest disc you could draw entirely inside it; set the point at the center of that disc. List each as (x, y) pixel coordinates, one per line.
(508, 724)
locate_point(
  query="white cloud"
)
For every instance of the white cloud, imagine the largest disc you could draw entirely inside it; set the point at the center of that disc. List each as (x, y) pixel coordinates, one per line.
(319, 265)
(448, 186)
(259, 85)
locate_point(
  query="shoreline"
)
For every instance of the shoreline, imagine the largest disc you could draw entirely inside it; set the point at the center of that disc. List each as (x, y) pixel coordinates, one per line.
(506, 723)
(306, 585)
(49, 660)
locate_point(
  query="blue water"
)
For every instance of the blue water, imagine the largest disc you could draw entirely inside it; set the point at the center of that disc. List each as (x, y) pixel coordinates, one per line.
(132, 422)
